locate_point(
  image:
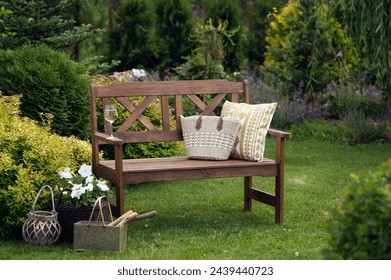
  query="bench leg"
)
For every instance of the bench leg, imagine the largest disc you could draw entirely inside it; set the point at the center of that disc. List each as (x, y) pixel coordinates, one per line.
(119, 183)
(119, 208)
(276, 200)
(279, 202)
(247, 199)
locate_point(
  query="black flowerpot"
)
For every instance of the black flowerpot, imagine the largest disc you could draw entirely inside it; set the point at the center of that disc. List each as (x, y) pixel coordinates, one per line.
(68, 214)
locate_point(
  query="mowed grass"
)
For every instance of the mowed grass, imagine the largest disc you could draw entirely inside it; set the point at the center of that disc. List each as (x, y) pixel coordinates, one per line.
(204, 219)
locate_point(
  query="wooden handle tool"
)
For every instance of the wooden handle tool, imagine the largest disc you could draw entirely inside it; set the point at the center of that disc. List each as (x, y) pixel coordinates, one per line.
(128, 219)
(119, 219)
(146, 215)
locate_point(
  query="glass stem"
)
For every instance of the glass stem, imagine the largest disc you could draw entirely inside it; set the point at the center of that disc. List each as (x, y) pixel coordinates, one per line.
(111, 128)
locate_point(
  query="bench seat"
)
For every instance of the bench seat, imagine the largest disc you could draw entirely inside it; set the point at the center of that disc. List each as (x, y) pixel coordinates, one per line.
(167, 169)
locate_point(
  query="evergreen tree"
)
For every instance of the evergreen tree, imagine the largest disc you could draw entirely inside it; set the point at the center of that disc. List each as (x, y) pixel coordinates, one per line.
(133, 40)
(39, 21)
(229, 11)
(175, 25)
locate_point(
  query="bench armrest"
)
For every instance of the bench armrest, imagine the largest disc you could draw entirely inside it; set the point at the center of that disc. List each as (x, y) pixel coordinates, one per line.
(279, 133)
(280, 137)
(105, 138)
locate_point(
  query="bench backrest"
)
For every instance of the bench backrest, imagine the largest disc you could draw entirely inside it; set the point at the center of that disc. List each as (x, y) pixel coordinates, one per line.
(170, 97)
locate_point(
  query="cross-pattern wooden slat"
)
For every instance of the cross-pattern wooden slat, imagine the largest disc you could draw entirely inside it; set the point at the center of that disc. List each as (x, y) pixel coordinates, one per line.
(136, 113)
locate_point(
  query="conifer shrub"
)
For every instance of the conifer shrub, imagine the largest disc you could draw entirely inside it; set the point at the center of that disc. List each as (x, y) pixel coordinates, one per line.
(306, 50)
(360, 225)
(30, 157)
(51, 84)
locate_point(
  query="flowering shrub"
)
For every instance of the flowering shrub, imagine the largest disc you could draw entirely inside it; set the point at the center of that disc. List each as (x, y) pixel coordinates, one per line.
(84, 188)
(30, 157)
(130, 75)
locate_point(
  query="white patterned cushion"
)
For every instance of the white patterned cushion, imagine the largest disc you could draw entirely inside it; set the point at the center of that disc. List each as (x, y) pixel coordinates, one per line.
(255, 121)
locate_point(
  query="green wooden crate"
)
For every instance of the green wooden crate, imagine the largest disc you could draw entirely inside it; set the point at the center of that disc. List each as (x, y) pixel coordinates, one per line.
(97, 236)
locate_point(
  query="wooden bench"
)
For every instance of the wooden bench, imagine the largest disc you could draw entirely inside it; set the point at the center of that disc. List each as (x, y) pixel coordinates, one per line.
(171, 94)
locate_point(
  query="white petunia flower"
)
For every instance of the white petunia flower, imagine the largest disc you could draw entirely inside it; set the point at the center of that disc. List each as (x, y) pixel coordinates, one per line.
(84, 185)
(76, 186)
(85, 170)
(66, 173)
(89, 187)
(89, 179)
(76, 193)
(102, 185)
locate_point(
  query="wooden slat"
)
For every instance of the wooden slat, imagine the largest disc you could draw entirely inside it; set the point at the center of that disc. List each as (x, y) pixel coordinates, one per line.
(94, 128)
(197, 101)
(150, 136)
(178, 111)
(263, 197)
(167, 88)
(235, 97)
(209, 110)
(181, 163)
(106, 124)
(167, 169)
(165, 113)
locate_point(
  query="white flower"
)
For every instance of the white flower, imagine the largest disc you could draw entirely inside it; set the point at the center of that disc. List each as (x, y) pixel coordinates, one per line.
(102, 185)
(85, 186)
(77, 192)
(89, 179)
(76, 186)
(85, 170)
(89, 187)
(63, 192)
(66, 173)
(138, 73)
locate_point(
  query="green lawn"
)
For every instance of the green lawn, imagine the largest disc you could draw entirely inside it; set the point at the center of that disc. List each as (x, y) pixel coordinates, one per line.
(204, 219)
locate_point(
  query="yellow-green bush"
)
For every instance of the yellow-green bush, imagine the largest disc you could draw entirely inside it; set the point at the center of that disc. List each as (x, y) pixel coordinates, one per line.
(30, 157)
(306, 50)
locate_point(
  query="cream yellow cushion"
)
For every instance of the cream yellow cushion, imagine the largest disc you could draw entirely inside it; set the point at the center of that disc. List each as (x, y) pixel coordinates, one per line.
(255, 121)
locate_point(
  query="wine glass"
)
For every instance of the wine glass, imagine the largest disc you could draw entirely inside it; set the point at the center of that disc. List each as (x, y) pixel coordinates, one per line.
(110, 116)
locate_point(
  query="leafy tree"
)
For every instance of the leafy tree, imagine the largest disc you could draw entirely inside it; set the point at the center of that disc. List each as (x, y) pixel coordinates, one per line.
(175, 25)
(133, 40)
(4, 31)
(229, 11)
(40, 22)
(306, 49)
(255, 15)
(206, 60)
(369, 23)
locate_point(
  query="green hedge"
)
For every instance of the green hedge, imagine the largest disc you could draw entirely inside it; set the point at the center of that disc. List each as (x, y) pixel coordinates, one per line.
(54, 88)
(30, 157)
(360, 225)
